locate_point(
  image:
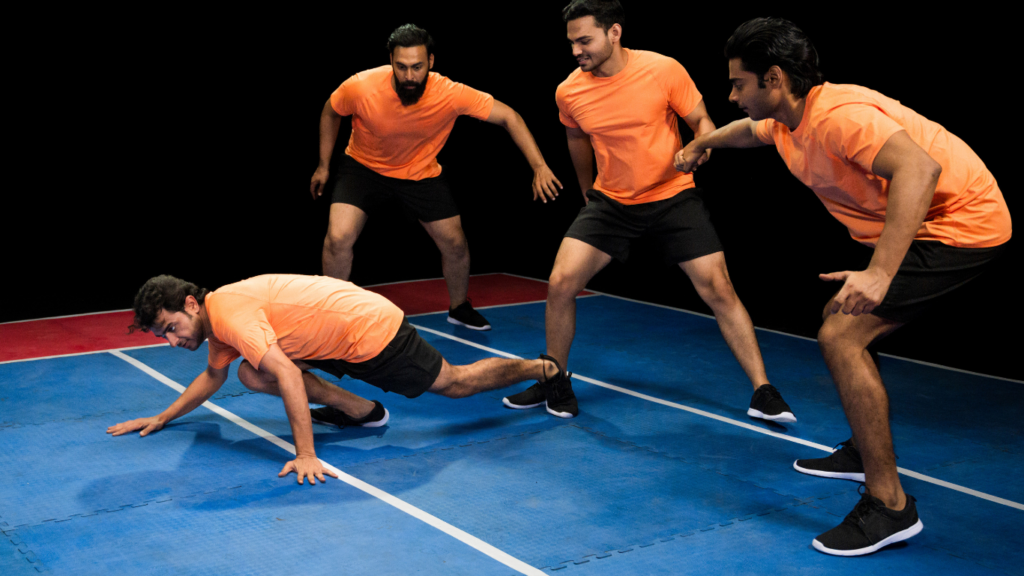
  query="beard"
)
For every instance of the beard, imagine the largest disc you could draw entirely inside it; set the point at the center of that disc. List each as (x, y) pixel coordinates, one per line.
(410, 97)
(198, 329)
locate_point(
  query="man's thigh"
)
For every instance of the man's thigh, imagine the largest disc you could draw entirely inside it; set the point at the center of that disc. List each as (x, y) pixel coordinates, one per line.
(408, 365)
(685, 232)
(606, 225)
(929, 273)
(346, 221)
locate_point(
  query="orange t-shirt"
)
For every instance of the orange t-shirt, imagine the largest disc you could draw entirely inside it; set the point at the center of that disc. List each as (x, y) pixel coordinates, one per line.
(631, 119)
(403, 141)
(309, 317)
(834, 147)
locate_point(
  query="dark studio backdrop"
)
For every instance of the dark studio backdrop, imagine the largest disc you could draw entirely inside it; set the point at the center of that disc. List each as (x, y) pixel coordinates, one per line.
(184, 144)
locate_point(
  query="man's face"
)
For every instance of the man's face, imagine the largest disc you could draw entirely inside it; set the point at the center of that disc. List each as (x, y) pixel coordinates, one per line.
(411, 66)
(757, 102)
(181, 329)
(591, 45)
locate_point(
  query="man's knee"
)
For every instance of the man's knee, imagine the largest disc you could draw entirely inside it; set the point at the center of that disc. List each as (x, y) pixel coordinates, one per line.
(716, 289)
(249, 376)
(833, 340)
(564, 283)
(453, 245)
(340, 241)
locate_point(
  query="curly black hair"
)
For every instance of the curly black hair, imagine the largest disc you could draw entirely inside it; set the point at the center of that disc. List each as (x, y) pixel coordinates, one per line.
(162, 293)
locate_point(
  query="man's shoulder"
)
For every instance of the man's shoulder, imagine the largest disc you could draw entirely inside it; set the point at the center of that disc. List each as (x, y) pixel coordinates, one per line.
(575, 80)
(835, 100)
(369, 81)
(655, 62)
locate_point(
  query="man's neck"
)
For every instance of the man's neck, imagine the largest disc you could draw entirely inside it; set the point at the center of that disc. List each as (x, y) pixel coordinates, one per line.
(205, 319)
(614, 64)
(790, 111)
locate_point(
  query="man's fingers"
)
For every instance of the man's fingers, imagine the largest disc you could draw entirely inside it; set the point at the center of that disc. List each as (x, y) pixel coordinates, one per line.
(284, 471)
(834, 276)
(330, 472)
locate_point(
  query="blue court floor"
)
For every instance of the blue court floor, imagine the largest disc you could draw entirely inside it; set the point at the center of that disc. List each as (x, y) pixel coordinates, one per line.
(661, 473)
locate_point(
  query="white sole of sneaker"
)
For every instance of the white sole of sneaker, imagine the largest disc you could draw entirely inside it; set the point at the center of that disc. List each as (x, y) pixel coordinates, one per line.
(377, 424)
(897, 537)
(555, 412)
(855, 476)
(521, 406)
(783, 417)
(458, 323)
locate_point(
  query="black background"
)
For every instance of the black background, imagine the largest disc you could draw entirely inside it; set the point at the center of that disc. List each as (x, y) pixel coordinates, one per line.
(165, 142)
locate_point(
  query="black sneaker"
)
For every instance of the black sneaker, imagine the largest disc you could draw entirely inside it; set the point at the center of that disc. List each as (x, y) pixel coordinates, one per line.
(530, 398)
(560, 399)
(328, 415)
(768, 404)
(844, 463)
(870, 527)
(555, 394)
(465, 315)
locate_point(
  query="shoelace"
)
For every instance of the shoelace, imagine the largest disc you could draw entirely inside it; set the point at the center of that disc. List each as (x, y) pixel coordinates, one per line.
(861, 511)
(560, 387)
(770, 392)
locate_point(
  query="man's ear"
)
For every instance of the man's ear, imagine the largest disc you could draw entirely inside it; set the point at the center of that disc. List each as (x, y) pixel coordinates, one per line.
(430, 63)
(191, 305)
(773, 78)
(615, 33)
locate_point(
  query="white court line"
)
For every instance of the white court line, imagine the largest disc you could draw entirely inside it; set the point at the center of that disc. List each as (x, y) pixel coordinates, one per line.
(465, 538)
(738, 423)
(111, 350)
(922, 362)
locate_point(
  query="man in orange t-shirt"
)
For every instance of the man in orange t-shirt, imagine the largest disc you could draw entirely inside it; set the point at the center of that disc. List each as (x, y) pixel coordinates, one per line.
(623, 106)
(901, 184)
(283, 325)
(402, 115)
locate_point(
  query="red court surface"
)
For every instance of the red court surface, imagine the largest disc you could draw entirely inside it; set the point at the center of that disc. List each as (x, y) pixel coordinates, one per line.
(109, 330)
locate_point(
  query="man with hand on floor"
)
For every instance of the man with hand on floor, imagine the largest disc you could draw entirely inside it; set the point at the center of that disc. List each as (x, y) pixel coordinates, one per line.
(283, 325)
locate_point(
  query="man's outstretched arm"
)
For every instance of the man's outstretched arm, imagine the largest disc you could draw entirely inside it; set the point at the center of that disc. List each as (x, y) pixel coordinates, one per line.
(199, 391)
(545, 185)
(738, 134)
(296, 406)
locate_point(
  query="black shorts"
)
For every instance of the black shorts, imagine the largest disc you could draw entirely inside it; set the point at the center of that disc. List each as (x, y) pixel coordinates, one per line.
(929, 271)
(681, 224)
(425, 200)
(408, 365)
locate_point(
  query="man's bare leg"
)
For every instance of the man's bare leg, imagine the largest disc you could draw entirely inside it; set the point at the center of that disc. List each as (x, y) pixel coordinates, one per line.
(451, 241)
(346, 223)
(489, 374)
(844, 340)
(711, 279)
(318, 390)
(576, 263)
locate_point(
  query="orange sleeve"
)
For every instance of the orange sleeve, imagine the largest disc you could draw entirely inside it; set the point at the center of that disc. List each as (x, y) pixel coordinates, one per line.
(470, 102)
(563, 110)
(221, 355)
(252, 336)
(343, 99)
(682, 93)
(856, 132)
(764, 129)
